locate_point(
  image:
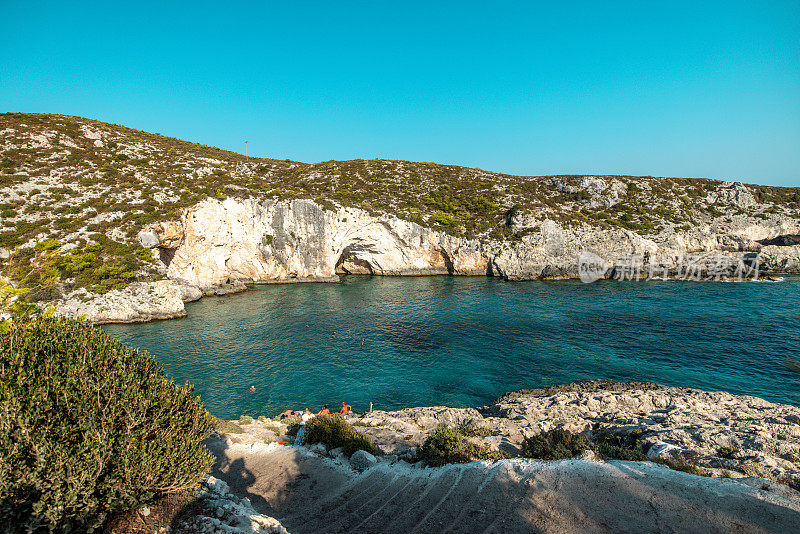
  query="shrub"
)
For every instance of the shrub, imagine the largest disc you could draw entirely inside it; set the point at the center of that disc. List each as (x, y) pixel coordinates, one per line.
(334, 431)
(222, 426)
(447, 446)
(555, 444)
(624, 446)
(474, 431)
(89, 427)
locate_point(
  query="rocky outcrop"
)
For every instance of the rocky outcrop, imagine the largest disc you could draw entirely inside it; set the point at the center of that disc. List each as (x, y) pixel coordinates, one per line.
(139, 302)
(217, 510)
(724, 434)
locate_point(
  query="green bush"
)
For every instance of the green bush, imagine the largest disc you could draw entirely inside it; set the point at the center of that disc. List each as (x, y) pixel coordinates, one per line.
(448, 446)
(222, 426)
(474, 431)
(555, 444)
(623, 446)
(89, 427)
(334, 431)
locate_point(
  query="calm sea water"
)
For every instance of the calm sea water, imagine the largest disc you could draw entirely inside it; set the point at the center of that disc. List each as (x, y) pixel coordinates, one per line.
(465, 341)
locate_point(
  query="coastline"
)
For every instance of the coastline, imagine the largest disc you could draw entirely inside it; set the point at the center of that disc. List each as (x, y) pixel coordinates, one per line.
(124, 307)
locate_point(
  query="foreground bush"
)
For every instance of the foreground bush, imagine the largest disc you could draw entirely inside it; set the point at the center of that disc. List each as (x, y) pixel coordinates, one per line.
(89, 427)
(335, 432)
(622, 446)
(448, 446)
(556, 444)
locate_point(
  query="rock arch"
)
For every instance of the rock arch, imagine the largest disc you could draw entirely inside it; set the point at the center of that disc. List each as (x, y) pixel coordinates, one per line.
(352, 261)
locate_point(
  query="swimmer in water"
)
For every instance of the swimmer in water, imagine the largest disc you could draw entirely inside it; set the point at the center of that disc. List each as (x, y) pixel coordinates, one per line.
(252, 389)
(362, 341)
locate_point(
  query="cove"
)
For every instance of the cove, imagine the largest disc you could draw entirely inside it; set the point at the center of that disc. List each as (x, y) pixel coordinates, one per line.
(463, 341)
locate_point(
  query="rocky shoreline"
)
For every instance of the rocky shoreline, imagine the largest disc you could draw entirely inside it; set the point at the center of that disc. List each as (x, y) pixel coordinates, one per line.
(722, 435)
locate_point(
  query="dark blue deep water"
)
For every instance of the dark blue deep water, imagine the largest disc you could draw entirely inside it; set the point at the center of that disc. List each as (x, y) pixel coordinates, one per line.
(465, 341)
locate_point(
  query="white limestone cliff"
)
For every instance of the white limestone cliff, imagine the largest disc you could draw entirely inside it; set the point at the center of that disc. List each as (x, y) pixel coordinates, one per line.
(219, 245)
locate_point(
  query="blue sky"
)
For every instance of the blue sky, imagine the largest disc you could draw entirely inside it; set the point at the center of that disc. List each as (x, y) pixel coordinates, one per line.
(651, 88)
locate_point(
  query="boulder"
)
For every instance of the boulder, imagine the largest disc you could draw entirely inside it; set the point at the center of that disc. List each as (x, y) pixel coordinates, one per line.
(220, 487)
(190, 293)
(148, 239)
(362, 460)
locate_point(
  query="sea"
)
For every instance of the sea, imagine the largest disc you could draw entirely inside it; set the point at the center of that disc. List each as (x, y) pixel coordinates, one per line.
(396, 342)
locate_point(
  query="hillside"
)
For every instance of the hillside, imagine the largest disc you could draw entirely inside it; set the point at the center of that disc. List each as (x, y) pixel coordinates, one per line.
(75, 193)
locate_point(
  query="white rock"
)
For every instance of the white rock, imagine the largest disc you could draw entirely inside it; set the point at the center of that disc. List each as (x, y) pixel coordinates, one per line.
(148, 239)
(220, 487)
(139, 302)
(362, 460)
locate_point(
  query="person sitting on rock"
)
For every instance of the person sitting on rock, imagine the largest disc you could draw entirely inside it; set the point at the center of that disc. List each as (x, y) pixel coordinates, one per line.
(345, 408)
(324, 411)
(307, 415)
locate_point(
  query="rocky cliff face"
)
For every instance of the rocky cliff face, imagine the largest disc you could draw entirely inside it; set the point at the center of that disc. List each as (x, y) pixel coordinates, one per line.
(220, 245)
(222, 242)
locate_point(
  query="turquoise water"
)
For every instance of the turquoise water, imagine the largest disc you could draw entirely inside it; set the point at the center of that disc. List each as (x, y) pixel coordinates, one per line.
(465, 341)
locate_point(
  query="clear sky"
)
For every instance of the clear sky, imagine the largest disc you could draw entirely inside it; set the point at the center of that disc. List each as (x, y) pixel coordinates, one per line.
(651, 88)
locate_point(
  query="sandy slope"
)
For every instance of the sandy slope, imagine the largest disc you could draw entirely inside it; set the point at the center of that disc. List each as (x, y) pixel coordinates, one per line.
(312, 493)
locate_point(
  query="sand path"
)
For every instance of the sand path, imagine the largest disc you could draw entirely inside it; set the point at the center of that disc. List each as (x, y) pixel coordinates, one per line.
(312, 493)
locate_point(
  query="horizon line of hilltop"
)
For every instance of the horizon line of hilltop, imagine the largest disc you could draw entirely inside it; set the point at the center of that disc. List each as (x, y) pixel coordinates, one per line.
(239, 155)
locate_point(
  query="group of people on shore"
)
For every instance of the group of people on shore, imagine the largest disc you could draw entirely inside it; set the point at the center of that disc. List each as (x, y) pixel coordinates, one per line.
(307, 414)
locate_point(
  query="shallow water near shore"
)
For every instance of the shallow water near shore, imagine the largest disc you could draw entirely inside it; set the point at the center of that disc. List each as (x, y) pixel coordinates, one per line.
(463, 341)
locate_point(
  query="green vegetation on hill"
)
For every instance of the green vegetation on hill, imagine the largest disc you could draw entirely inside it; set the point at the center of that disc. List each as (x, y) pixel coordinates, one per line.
(71, 179)
(89, 427)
